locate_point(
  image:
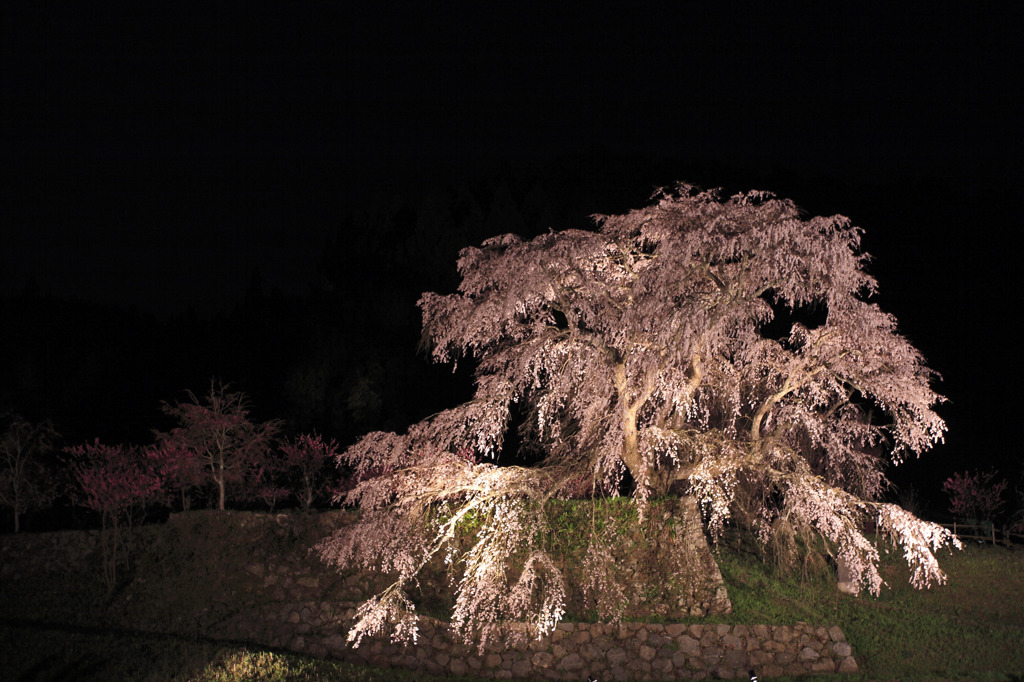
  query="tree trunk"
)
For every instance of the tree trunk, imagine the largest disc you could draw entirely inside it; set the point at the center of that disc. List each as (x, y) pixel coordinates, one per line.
(685, 554)
(220, 484)
(641, 474)
(688, 552)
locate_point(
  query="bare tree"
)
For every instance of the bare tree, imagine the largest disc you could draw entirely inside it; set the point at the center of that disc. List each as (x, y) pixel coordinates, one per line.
(218, 431)
(648, 355)
(25, 481)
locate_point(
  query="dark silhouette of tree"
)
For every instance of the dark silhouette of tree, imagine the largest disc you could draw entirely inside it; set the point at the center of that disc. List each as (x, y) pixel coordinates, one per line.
(26, 482)
(310, 458)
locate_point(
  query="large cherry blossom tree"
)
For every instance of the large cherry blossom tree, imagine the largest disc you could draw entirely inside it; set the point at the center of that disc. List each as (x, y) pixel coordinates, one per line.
(649, 358)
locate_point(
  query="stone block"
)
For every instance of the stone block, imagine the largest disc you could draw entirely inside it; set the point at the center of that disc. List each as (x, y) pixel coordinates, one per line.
(571, 662)
(709, 640)
(784, 658)
(675, 629)
(736, 659)
(662, 665)
(808, 654)
(712, 655)
(657, 640)
(522, 668)
(842, 649)
(543, 659)
(759, 658)
(689, 646)
(848, 666)
(647, 653)
(825, 665)
(335, 643)
(589, 652)
(731, 641)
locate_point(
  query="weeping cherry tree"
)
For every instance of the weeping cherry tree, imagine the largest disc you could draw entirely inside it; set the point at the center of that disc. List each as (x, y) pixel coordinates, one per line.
(648, 360)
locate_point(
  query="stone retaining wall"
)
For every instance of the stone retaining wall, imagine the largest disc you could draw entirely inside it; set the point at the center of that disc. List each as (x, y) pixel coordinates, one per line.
(628, 651)
(276, 596)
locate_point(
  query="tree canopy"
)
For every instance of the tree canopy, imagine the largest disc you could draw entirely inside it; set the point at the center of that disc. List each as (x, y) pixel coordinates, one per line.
(648, 357)
(215, 430)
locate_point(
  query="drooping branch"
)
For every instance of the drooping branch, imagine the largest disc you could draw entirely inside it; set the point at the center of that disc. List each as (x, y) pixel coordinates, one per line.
(643, 346)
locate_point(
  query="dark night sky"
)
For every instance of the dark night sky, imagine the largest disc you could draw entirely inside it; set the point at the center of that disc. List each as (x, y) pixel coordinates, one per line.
(154, 154)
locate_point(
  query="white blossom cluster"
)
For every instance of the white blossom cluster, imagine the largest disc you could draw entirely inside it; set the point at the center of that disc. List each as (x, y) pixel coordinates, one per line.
(641, 351)
(920, 540)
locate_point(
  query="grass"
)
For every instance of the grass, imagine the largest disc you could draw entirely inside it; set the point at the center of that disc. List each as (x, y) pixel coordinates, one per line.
(970, 629)
(51, 654)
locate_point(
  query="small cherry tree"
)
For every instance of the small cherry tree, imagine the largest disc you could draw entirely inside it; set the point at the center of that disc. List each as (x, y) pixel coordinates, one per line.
(310, 458)
(182, 470)
(116, 482)
(975, 496)
(645, 356)
(26, 483)
(216, 430)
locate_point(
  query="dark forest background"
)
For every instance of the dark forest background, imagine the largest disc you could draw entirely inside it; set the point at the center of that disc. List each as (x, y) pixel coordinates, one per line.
(259, 192)
(336, 350)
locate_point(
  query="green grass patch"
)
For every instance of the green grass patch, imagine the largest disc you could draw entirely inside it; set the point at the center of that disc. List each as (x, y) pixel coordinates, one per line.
(972, 628)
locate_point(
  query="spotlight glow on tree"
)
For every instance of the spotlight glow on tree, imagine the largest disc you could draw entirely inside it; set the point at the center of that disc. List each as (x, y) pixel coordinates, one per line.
(646, 358)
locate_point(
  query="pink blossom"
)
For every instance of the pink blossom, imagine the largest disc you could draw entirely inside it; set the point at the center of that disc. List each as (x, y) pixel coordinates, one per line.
(641, 356)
